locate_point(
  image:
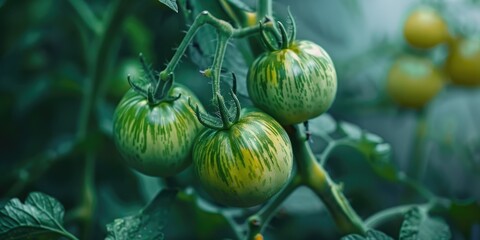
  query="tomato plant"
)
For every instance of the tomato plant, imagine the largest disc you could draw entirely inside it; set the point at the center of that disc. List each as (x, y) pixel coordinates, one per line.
(463, 61)
(179, 150)
(425, 28)
(294, 82)
(413, 81)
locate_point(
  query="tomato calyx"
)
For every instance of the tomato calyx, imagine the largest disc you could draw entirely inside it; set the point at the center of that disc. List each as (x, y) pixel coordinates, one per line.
(280, 41)
(228, 115)
(157, 89)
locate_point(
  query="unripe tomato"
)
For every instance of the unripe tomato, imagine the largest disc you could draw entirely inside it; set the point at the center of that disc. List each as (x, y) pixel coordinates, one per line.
(156, 140)
(293, 84)
(246, 164)
(119, 83)
(425, 28)
(413, 81)
(463, 62)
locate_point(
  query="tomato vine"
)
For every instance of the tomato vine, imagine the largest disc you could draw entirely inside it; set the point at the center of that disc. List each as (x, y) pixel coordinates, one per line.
(245, 162)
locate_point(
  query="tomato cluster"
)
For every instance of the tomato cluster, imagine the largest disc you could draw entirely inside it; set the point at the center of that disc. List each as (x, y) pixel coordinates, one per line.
(242, 157)
(414, 80)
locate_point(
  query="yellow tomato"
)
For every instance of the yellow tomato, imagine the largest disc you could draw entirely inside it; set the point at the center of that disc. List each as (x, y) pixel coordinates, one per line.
(425, 28)
(413, 81)
(463, 62)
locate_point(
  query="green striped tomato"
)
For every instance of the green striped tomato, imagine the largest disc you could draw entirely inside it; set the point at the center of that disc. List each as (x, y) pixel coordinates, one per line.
(293, 84)
(156, 140)
(246, 164)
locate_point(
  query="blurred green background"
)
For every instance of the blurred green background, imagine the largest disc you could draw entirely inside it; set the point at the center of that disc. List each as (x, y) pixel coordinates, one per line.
(46, 61)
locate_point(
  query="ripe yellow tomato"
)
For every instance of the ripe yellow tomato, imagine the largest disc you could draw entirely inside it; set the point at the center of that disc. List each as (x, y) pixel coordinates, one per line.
(413, 81)
(425, 28)
(463, 61)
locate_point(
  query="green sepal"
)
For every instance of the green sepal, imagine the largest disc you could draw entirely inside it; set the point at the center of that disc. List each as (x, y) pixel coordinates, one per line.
(292, 28)
(206, 119)
(285, 42)
(266, 39)
(157, 89)
(147, 69)
(228, 115)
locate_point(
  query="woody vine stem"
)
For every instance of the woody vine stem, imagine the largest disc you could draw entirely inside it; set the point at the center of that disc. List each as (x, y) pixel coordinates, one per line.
(309, 172)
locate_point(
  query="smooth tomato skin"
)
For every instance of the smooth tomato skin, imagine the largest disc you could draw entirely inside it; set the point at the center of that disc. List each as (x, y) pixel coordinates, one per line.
(463, 61)
(413, 81)
(156, 140)
(245, 165)
(425, 28)
(293, 84)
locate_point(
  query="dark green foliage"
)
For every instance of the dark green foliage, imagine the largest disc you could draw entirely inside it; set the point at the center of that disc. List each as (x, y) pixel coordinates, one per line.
(40, 217)
(149, 223)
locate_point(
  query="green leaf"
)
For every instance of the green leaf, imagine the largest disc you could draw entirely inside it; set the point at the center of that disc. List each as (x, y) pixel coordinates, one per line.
(371, 235)
(378, 155)
(376, 152)
(41, 217)
(207, 221)
(148, 224)
(418, 225)
(322, 125)
(352, 131)
(172, 4)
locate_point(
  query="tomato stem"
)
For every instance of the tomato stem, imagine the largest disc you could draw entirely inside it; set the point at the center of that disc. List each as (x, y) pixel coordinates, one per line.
(312, 175)
(225, 31)
(99, 59)
(318, 180)
(439, 205)
(88, 202)
(417, 163)
(203, 18)
(258, 221)
(147, 70)
(264, 8)
(222, 41)
(385, 215)
(415, 186)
